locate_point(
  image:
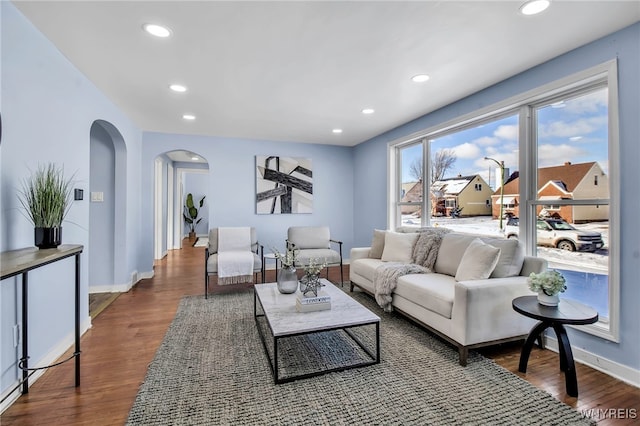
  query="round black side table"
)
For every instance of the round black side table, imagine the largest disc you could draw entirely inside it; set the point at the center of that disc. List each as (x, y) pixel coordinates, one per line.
(567, 312)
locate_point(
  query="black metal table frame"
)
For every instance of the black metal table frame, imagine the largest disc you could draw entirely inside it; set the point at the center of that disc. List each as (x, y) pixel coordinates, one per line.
(23, 364)
(273, 363)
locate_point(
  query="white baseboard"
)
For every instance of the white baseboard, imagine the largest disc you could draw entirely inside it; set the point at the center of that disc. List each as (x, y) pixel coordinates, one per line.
(611, 368)
(52, 356)
(122, 288)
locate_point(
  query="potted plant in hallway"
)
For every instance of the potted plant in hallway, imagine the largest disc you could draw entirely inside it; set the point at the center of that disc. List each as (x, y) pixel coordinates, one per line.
(46, 196)
(191, 215)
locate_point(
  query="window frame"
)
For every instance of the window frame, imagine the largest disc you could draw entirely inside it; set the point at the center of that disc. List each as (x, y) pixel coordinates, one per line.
(523, 105)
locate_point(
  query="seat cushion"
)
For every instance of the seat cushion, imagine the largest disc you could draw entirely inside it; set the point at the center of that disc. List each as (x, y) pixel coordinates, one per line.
(321, 255)
(434, 292)
(309, 237)
(212, 263)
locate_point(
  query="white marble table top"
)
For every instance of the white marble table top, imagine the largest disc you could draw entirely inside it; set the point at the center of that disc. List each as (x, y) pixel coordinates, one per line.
(280, 311)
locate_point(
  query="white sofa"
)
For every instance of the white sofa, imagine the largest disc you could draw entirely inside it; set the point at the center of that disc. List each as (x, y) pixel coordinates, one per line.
(468, 313)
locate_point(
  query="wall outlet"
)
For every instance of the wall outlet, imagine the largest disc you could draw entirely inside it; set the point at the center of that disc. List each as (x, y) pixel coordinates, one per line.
(97, 197)
(16, 335)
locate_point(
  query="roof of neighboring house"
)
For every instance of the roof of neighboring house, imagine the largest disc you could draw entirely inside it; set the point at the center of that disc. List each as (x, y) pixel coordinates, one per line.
(567, 176)
(452, 186)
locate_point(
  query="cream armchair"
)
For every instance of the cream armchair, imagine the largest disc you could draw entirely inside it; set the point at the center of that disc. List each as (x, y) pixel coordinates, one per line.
(314, 242)
(211, 258)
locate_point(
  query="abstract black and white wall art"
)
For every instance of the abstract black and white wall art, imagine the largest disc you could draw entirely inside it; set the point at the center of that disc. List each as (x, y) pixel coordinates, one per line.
(283, 185)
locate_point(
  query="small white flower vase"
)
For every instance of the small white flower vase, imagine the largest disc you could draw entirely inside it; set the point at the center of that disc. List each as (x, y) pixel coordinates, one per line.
(546, 300)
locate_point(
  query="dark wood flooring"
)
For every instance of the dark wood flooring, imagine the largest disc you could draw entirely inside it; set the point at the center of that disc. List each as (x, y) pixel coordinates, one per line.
(125, 336)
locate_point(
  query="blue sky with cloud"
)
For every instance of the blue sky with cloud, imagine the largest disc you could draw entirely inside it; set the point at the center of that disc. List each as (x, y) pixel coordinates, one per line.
(574, 130)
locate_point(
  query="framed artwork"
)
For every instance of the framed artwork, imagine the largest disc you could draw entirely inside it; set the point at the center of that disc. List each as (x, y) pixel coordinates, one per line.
(283, 185)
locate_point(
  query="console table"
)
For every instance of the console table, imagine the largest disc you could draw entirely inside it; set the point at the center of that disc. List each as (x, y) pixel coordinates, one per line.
(567, 312)
(20, 262)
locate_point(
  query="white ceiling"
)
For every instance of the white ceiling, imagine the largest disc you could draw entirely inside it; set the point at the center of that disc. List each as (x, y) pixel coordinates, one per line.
(293, 71)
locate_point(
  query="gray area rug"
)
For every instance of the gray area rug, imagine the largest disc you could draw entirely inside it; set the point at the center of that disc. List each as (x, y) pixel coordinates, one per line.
(211, 369)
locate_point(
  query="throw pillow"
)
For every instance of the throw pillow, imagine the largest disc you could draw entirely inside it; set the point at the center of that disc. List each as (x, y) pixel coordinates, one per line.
(377, 244)
(398, 247)
(478, 261)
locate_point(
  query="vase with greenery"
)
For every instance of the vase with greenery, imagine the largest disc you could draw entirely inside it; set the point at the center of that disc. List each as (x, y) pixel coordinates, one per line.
(46, 196)
(191, 214)
(548, 285)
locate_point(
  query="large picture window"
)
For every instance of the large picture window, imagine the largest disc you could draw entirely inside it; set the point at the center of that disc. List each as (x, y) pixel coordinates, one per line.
(539, 167)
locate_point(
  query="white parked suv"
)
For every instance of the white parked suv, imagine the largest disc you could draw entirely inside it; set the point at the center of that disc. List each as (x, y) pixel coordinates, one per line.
(560, 234)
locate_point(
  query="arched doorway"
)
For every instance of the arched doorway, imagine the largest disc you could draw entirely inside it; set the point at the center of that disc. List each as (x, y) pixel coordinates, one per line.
(107, 208)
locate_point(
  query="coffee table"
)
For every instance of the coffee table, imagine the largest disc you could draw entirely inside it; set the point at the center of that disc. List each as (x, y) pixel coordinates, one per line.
(284, 322)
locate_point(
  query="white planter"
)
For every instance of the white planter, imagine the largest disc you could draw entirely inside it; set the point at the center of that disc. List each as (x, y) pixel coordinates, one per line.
(545, 299)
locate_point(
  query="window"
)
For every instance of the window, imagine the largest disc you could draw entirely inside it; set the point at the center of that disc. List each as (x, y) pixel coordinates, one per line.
(528, 163)
(569, 127)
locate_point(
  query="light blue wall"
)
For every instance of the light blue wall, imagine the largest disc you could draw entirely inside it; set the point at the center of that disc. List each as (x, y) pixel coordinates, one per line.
(101, 214)
(370, 176)
(48, 108)
(231, 196)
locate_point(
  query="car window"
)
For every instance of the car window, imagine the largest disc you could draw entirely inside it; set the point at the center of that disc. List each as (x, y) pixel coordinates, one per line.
(542, 225)
(561, 226)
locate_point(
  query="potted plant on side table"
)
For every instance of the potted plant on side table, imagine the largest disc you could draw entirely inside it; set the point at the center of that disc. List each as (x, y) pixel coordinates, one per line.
(46, 196)
(548, 285)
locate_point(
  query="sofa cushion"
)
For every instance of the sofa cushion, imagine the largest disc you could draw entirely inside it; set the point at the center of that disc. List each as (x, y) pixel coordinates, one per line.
(511, 257)
(434, 292)
(478, 262)
(398, 247)
(318, 255)
(365, 267)
(450, 253)
(377, 244)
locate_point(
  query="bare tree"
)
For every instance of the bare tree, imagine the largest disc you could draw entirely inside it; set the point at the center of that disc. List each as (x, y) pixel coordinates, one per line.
(441, 162)
(415, 169)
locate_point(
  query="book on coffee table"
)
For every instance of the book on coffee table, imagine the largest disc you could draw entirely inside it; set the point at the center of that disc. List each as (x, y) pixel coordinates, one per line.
(322, 297)
(319, 306)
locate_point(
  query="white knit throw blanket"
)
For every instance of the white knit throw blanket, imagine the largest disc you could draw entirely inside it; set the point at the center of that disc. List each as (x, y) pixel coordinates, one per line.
(235, 259)
(424, 255)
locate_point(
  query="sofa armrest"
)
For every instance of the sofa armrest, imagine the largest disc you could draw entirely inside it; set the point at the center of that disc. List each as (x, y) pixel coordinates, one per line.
(482, 310)
(359, 253)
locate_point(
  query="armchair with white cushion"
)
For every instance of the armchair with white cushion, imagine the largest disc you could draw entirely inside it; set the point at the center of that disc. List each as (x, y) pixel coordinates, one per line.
(246, 256)
(314, 242)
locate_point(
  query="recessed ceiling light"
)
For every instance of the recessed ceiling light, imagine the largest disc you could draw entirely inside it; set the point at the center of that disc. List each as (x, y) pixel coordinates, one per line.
(337, 130)
(157, 30)
(533, 7)
(368, 111)
(189, 117)
(194, 158)
(420, 78)
(178, 88)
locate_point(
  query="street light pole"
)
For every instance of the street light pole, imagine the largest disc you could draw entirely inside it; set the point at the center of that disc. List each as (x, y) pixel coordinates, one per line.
(501, 165)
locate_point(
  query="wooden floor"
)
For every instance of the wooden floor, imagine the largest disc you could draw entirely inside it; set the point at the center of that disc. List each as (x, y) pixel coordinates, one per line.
(125, 336)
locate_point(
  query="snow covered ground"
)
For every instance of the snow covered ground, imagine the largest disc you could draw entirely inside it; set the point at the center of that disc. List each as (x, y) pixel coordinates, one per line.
(596, 262)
